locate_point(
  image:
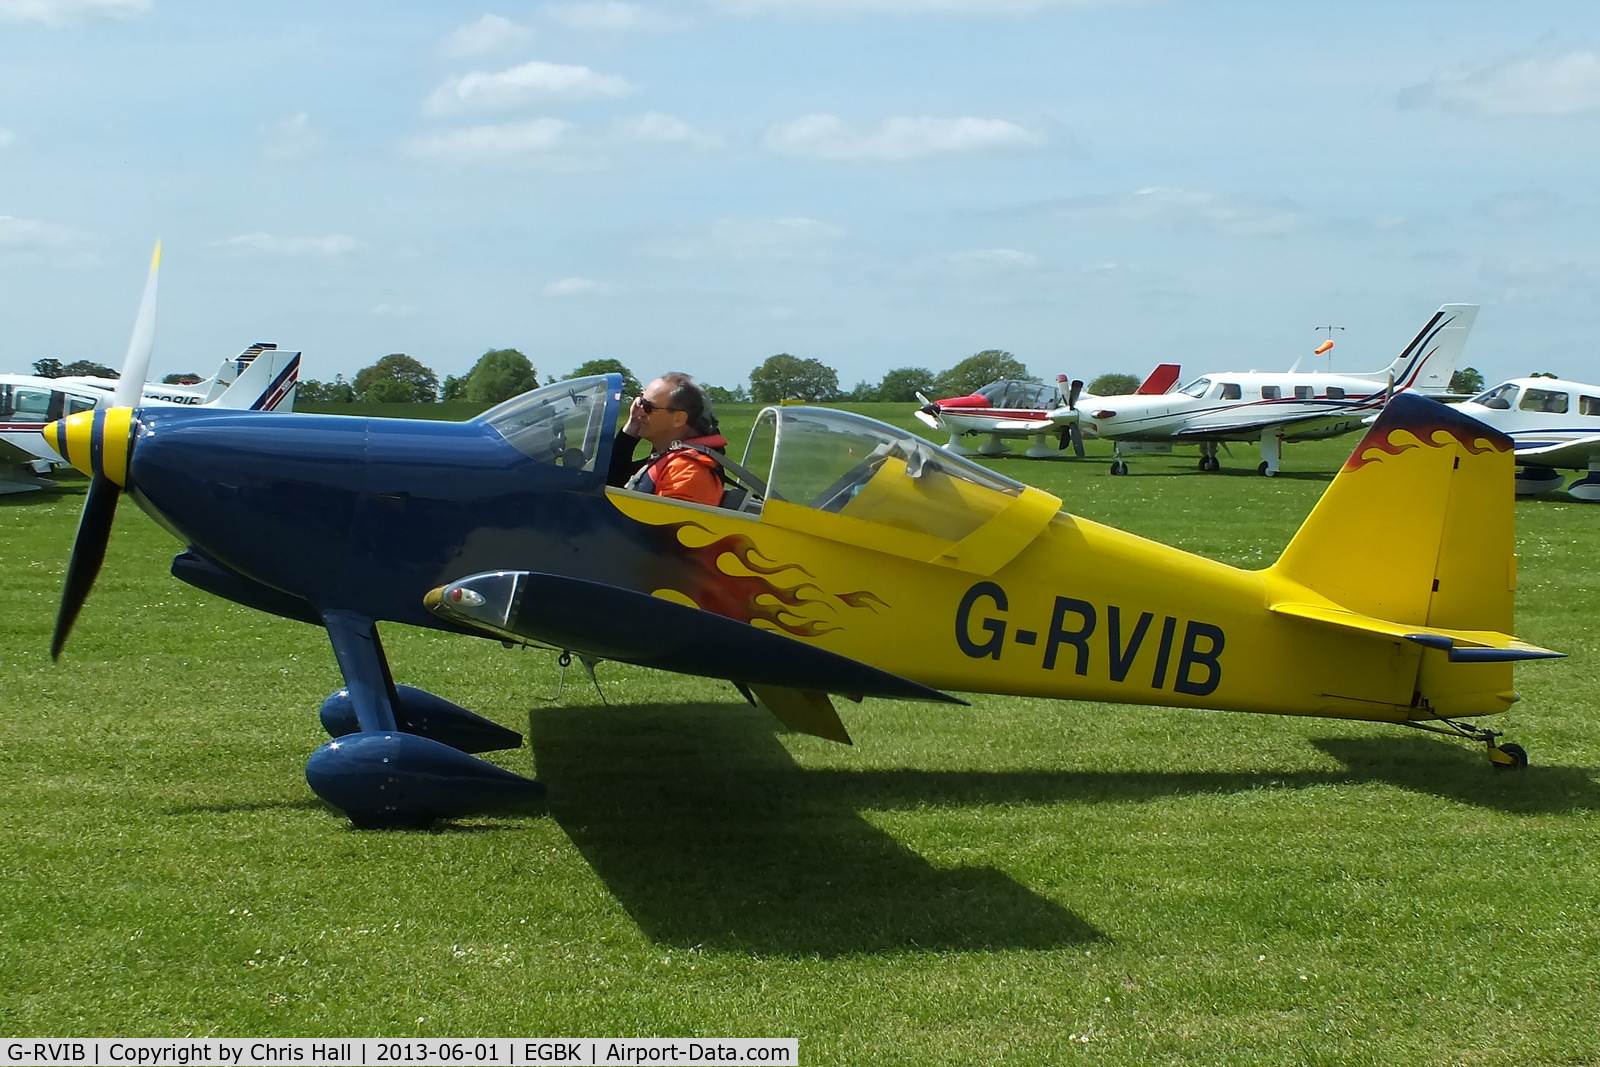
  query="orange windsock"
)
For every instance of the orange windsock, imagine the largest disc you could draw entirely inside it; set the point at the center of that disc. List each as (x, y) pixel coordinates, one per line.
(1323, 347)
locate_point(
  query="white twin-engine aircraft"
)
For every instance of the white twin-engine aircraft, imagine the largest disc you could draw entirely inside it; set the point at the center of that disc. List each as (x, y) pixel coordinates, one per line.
(1274, 408)
(261, 378)
(1554, 425)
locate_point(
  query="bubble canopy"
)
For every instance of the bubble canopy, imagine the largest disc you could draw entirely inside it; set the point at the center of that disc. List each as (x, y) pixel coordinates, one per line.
(567, 424)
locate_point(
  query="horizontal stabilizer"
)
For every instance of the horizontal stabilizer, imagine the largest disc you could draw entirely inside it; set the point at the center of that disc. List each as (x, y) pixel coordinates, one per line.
(1482, 654)
(609, 622)
(1464, 646)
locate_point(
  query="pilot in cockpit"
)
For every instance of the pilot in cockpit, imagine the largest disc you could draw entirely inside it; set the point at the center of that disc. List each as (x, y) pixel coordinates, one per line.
(674, 415)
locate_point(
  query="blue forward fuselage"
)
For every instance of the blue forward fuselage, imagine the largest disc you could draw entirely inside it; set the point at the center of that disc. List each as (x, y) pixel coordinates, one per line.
(368, 514)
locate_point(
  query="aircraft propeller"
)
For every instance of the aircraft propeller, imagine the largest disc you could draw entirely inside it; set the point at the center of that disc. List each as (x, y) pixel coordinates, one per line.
(1073, 432)
(100, 506)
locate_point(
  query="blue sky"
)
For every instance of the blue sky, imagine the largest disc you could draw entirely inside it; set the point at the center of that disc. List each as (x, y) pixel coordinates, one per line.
(699, 184)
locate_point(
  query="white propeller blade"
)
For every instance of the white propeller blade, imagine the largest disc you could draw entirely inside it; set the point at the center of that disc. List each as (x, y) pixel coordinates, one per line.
(136, 364)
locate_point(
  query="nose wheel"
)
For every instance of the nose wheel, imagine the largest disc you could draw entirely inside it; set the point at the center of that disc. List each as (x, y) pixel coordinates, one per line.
(1118, 468)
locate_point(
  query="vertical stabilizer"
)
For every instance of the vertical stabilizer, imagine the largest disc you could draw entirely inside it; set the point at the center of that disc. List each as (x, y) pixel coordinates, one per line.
(1418, 526)
(1427, 364)
(265, 381)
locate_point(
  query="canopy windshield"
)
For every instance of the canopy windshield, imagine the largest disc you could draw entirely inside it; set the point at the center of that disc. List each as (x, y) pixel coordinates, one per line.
(1018, 394)
(836, 461)
(566, 424)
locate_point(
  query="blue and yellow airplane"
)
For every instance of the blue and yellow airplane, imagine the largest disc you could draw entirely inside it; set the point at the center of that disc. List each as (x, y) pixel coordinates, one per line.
(849, 559)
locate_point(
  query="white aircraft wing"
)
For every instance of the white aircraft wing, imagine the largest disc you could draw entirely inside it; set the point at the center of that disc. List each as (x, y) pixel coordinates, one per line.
(1021, 426)
(1569, 455)
(1322, 424)
(16, 476)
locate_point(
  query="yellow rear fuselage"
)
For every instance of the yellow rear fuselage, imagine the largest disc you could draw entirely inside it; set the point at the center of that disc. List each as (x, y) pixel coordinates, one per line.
(1082, 611)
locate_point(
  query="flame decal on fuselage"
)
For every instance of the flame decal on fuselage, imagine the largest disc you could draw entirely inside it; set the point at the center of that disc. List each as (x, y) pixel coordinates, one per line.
(752, 597)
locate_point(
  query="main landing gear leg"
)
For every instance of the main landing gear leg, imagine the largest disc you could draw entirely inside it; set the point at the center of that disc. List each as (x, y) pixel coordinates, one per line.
(1271, 451)
(1503, 757)
(1208, 456)
(381, 775)
(1119, 466)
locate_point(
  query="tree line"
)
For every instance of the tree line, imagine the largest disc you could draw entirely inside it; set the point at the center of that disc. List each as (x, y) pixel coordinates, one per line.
(502, 373)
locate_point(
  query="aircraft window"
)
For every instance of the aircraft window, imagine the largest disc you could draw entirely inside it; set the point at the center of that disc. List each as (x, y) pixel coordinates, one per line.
(1018, 394)
(1196, 388)
(1500, 397)
(1589, 405)
(1335, 393)
(30, 405)
(1304, 392)
(1270, 392)
(1544, 400)
(1231, 392)
(76, 404)
(563, 424)
(845, 463)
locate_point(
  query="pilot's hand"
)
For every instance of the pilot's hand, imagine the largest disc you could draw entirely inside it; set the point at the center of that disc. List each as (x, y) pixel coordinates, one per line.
(636, 419)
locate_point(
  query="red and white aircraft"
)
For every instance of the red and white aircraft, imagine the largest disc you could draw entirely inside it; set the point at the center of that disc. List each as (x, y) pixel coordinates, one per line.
(1012, 408)
(1276, 407)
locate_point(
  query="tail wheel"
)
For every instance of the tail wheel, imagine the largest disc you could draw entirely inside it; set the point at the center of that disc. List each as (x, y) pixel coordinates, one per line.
(1518, 761)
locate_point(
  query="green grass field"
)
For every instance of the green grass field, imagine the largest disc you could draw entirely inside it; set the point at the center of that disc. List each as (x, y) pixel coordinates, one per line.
(1019, 881)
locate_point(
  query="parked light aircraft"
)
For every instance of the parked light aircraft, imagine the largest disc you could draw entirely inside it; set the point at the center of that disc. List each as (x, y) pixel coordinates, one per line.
(1013, 408)
(260, 378)
(862, 561)
(1274, 408)
(1554, 425)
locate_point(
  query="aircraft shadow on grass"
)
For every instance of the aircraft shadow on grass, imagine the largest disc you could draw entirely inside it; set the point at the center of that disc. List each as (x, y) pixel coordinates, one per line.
(708, 832)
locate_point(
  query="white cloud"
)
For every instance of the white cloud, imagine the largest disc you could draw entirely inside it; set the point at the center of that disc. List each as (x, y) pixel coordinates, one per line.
(70, 12)
(333, 245)
(657, 128)
(290, 138)
(896, 139)
(489, 144)
(1528, 85)
(791, 238)
(492, 33)
(993, 257)
(826, 8)
(531, 83)
(31, 235)
(610, 16)
(1240, 215)
(1521, 207)
(578, 287)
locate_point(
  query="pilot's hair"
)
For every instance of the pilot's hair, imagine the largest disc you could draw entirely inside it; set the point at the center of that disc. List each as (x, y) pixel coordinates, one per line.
(692, 401)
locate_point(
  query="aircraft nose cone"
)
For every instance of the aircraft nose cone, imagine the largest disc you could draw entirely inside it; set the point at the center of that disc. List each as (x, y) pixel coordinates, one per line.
(95, 442)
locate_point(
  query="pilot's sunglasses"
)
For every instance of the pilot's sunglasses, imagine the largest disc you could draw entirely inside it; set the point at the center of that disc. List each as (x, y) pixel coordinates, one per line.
(647, 407)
